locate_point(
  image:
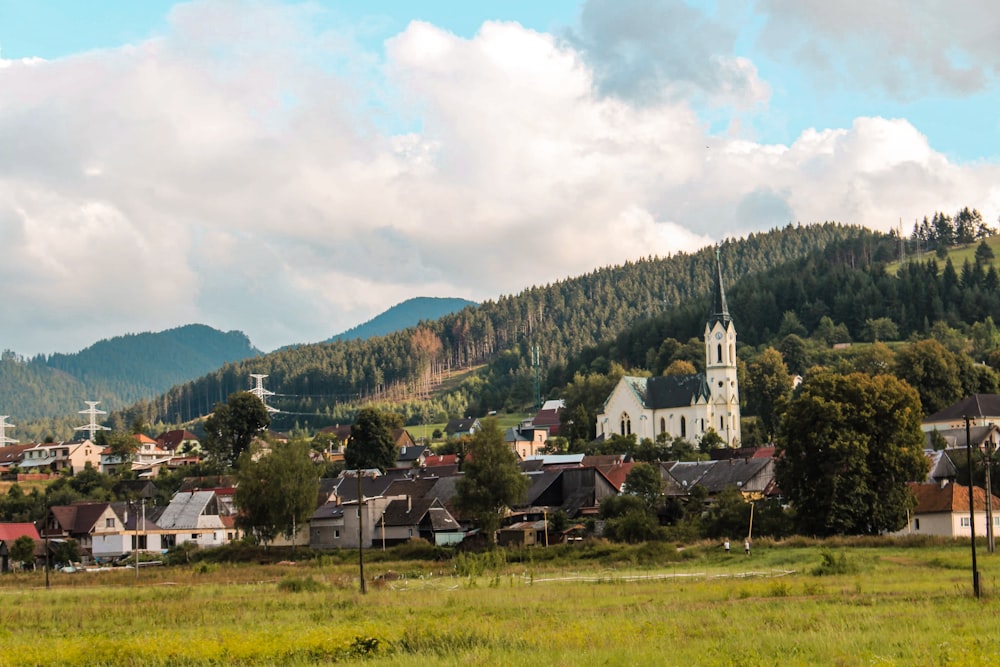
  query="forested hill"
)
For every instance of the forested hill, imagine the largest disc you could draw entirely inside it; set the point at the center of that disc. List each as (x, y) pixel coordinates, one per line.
(561, 319)
(406, 314)
(117, 371)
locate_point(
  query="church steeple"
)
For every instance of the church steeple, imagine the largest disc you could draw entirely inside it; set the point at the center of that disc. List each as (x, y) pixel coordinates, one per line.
(720, 309)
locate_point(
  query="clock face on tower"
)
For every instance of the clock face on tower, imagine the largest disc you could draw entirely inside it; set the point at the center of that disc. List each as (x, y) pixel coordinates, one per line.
(718, 335)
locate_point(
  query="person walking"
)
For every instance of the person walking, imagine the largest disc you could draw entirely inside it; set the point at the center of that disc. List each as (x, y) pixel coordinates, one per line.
(725, 545)
(746, 546)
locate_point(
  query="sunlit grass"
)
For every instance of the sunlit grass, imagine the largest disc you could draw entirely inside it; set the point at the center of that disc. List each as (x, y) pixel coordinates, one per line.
(896, 605)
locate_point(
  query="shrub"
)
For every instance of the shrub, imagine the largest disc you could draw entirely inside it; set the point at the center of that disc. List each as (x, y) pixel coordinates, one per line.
(834, 564)
(299, 585)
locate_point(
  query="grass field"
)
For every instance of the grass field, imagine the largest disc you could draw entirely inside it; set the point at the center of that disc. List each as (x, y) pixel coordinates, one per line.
(800, 603)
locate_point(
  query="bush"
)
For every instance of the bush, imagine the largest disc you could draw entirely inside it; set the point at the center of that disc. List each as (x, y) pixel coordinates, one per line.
(299, 585)
(635, 526)
(834, 564)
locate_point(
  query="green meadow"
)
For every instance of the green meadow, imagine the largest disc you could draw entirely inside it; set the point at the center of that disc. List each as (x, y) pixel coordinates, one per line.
(841, 602)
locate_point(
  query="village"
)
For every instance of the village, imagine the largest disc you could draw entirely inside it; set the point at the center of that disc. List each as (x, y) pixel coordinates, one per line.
(414, 499)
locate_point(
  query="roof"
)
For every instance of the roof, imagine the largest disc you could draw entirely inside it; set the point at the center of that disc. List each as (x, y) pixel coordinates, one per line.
(328, 511)
(341, 431)
(436, 460)
(733, 472)
(185, 508)
(557, 459)
(461, 425)
(674, 391)
(933, 498)
(617, 473)
(79, 517)
(414, 488)
(209, 482)
(13, 453)
(955, 437)
(513, 434)
(975, 406)
(410, 453)
(173, 439)
(11, 531)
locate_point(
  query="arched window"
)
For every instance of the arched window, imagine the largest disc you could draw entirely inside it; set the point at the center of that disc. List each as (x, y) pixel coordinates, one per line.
(663, 425)
(722, 423)
(684, 427)
(718, 352)
(626, 424)
(732, 352)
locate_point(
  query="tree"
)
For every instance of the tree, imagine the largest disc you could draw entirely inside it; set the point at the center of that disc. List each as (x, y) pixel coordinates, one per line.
(930, 368)
(276, 493)
(123, 447)
(644, 481)
(680, 367)
(847, 446)
(768, 383)
(492, 479)
(23, 550)
(371, 444)
(880, 329)
(232, 427)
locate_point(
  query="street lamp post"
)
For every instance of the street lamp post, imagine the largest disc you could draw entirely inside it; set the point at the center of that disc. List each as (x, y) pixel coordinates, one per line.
(972, 508)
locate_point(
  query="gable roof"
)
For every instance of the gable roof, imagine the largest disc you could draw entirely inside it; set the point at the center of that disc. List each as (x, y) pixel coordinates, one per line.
(934, 498)
(462, 425)
(11, 531)
(173, 439)
(185, 508)
(411, 453)
(735, 472)
(975, 406)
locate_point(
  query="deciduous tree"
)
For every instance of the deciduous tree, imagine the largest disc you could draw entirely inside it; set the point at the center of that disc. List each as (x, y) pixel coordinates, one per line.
(232, 427)
(848, 444)
(371, 444)
(276, 492)
(492, 480)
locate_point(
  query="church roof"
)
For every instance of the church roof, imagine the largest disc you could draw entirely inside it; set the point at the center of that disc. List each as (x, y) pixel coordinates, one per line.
(670, 391)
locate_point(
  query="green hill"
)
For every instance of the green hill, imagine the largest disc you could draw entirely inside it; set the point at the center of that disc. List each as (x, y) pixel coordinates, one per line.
(406, 314)
(117, 371)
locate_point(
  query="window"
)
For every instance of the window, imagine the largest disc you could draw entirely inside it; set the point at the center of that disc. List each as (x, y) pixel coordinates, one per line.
(964, 522)
(109, 523)
(410, 531)
(722, 423)
(718, 353)
(195, 536)
(336, 533)
(684, 428)
(916, 524)
(663, 425)
(626, 424)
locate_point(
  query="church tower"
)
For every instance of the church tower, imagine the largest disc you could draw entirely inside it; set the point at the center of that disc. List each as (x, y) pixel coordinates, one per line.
(720, 365)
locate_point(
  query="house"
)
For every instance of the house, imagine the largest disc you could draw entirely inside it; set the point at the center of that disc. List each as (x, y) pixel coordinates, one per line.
(11, 457)
(82, 521)
(753, 476)
(59, 456)
(412, 456)
(578, 491)
(405, 518)
(980, 437)
(526, 441)
(523, 534)
(203, 517)
(982, 410)
(335, 525)
(179, 441)
(943, 510)
(10, 533)
(685, 406)
(549, 416)
(459, 427)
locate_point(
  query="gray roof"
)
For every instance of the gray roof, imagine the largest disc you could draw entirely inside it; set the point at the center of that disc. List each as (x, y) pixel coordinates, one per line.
(186, 507)
(669, 391)
(975, 406)
(412, 512)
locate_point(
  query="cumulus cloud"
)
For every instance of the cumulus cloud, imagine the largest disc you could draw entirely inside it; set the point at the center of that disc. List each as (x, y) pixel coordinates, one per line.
(905, 48)
(247, 171)
(651, 50)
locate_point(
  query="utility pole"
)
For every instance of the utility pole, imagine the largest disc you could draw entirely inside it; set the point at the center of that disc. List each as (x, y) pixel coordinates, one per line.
(972, 509)
(361, 549)
(990, 547)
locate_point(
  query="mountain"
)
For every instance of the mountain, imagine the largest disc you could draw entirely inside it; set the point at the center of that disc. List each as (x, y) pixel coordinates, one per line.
(318, 384)
(406, 314)
(117, 371)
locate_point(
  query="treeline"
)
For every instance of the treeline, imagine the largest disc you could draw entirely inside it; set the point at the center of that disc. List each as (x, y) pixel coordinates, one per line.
(45, 393)
(313, 383)
(942, 230)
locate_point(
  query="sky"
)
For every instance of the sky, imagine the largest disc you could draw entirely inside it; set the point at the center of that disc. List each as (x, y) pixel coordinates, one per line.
(292, 169)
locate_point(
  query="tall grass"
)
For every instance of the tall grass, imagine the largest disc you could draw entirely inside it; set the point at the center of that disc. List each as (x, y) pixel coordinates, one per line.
(896, 603)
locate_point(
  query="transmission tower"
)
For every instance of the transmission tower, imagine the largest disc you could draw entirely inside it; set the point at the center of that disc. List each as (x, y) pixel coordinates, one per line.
(4, 440)
(261, 393)
(93, 427)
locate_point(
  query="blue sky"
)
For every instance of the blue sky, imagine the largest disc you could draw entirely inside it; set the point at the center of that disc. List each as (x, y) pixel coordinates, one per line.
(291, 169)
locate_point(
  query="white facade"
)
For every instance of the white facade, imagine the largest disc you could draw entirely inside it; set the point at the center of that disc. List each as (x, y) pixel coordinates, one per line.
(683, 406)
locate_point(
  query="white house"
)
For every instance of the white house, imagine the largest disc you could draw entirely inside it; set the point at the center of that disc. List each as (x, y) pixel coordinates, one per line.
(943, 510)
(683, 405)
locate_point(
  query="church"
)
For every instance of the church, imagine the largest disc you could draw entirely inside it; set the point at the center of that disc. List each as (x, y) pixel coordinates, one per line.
(683, 405)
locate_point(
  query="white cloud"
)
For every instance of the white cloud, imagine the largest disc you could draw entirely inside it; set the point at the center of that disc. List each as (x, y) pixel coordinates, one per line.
(242, 170)
(905, 48)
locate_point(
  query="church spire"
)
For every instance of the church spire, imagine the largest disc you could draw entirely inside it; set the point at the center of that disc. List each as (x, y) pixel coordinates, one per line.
(720, 309)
